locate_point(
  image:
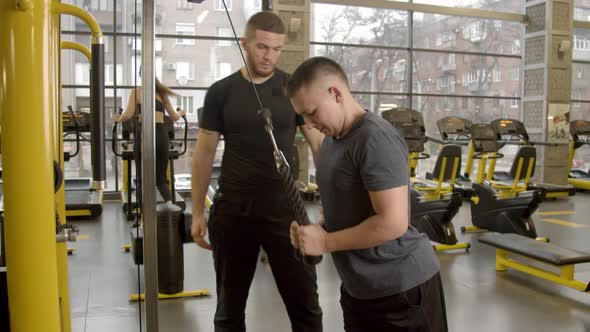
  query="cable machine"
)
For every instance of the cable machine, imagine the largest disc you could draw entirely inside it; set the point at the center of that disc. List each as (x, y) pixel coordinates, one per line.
(36, 261)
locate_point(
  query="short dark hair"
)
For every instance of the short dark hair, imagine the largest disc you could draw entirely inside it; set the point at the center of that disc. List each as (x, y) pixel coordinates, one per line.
(310, 69)
(265, 21)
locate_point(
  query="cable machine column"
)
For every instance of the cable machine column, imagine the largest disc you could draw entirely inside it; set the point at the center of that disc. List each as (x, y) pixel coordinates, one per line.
(27, 91)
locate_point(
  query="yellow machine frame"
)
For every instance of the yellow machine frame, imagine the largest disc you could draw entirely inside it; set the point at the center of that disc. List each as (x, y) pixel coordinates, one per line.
(505, 191)
(197, 293)
(579, 184)
(31, 85)
(565, 276)
(437, 189)
(68, 45)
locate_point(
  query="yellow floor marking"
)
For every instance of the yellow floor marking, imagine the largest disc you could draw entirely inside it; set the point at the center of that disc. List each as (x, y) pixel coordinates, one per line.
(82, 237)
(556, 213)
(564, 223)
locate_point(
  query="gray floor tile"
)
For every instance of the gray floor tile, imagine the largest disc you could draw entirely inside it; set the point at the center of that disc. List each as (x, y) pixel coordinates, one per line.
(478, 298)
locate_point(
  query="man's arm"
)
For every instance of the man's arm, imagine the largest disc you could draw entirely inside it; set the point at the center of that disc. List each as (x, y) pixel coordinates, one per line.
(314, 138)
(174, 116)
(390, 222)
(202, 165)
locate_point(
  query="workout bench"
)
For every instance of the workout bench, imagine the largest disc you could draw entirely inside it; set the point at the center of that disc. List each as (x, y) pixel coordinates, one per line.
(543, 252)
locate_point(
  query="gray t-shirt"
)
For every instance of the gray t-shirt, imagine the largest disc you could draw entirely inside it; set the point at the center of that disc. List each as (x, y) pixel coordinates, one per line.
(372, 157)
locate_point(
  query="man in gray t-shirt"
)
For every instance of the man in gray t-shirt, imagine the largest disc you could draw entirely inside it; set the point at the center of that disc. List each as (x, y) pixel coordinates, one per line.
(389, 271)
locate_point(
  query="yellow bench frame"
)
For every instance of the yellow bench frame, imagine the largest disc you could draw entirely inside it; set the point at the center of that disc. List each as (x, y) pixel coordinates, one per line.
(565, 276)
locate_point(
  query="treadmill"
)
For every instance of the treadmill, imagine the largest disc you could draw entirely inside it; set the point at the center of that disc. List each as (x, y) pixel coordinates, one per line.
(455, 130)
(81, 200)
(580, 133)
(510, 129)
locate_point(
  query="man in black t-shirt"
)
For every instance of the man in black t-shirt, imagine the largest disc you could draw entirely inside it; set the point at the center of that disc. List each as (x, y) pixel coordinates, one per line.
(250, 208)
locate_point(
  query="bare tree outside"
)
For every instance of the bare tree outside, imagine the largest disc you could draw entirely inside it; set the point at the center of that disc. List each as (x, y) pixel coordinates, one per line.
(459, 66)
(385, 70)
(370, 68)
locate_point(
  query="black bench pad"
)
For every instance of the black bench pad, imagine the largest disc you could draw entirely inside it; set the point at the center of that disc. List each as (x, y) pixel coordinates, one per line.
(545, 252)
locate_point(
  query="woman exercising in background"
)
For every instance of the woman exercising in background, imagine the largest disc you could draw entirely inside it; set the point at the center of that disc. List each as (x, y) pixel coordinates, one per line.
(162, 140)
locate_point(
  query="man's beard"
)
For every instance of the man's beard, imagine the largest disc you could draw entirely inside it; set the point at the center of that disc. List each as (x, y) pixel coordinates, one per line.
(254, 69)
(263, 73)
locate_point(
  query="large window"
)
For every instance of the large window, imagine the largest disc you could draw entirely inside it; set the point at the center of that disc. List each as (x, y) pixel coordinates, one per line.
(581, 66)
(185, 71)
(582, 13)
(358, 25)
(452, 66)
(497, 74)
(455, 33)
(184, 4)
(219, 5)
(378, 67)
(515, 73)
(511, 6)
(580, 91)
(186, 102)
(82, 73)
(369, 69)
(134, 69)
(473, 75)
(580, 107)
(110, 72)
(223, 70)
(185, 29)
(225, 32)
(102, 10)
(188, 71)
(95, 5)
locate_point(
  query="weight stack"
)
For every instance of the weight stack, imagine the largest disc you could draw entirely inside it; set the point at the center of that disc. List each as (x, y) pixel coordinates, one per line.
(170, 251)
(136, 234)
(187, 224)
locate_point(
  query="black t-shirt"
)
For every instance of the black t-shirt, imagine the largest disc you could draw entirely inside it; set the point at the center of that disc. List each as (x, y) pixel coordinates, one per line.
(231, 108)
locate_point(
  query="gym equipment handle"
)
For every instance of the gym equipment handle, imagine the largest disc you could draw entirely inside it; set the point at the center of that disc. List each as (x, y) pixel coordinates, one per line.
(294, 199)
(497, 156)
(422, 156)
(298, 209)
(115, 139)
(77, 126)
(455, 141)
(185, 132)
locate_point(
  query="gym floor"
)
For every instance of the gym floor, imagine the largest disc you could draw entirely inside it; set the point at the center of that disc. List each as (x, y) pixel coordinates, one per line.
(478, 298)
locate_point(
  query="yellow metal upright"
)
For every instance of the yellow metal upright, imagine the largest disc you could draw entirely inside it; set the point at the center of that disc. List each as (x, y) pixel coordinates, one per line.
(61, 247)
(28, 84)
(572, 153)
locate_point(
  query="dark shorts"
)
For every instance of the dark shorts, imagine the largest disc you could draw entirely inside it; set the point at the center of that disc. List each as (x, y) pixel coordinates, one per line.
(420, 309)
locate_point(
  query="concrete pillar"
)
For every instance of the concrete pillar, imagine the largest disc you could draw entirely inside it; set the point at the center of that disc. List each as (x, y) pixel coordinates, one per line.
(546, 93)
(295, 15)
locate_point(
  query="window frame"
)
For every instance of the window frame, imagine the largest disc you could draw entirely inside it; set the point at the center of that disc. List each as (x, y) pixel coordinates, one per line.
(185, 29)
